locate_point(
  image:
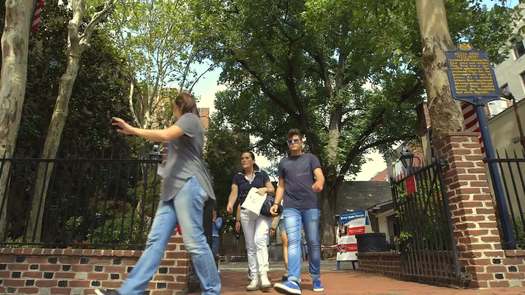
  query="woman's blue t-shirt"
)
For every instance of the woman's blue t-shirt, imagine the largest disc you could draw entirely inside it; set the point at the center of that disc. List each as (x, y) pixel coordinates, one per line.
(244, 185)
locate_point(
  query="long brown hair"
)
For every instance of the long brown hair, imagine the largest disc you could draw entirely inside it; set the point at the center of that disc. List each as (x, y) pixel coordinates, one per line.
(186, 103)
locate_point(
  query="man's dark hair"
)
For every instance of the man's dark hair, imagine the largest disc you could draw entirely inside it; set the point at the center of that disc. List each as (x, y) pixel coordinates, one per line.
(294, 131)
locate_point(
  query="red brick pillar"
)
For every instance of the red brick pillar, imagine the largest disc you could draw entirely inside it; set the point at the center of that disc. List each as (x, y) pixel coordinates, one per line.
(472, 209)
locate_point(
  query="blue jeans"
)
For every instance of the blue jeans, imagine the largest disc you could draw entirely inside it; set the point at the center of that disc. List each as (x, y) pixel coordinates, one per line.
(294, 221)
(215, 244)
(187, 210)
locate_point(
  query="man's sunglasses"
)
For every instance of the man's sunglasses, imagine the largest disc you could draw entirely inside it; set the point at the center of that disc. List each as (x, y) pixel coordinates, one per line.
(292, 141)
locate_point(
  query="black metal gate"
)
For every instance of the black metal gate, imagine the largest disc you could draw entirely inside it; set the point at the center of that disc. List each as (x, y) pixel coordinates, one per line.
(424, 238)
(512, 170)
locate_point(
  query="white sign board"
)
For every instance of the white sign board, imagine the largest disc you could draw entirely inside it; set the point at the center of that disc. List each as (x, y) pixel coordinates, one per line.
(349, 225)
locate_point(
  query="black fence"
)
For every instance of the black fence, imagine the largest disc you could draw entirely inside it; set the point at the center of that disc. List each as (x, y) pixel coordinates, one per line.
(512, 170)
(425, 238)
(88, 203)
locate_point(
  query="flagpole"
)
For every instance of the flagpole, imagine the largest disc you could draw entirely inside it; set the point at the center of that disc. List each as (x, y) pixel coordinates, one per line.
(509, 241)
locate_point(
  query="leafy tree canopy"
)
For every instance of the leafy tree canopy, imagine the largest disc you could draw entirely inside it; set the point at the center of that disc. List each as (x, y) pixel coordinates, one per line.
(348, 73)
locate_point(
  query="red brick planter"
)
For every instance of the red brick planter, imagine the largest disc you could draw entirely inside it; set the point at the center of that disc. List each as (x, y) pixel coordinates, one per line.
(80, 271)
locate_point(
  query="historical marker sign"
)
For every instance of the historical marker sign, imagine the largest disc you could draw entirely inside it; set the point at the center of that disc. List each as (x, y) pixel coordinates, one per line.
(471, 76)
(472, 80)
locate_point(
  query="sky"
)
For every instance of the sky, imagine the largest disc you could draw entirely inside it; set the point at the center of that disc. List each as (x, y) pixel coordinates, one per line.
(208, 86)
(508, 3)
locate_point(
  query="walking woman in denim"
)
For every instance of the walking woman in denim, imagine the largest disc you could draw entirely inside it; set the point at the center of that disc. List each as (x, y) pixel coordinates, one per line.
(186, 186)
(255, 227)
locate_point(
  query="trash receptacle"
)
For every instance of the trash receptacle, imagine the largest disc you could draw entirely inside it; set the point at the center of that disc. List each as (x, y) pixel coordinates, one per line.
(372, 242)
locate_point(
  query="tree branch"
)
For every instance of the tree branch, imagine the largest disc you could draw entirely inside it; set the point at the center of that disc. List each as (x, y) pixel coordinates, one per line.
(273, 97)
(360, 146)
(323, 72)
(374, 123)
(95, 20)
(78, 8)
(186, 71)
(383, 141)
(200, 76)
(289, 80)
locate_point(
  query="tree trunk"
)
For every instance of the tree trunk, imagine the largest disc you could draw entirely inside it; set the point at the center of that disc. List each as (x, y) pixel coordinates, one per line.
(53, 137)
(445, 114)
(334, 133)
(13, 76)
(328, 211)
(130, 101)
(329, 195)
(77, 42)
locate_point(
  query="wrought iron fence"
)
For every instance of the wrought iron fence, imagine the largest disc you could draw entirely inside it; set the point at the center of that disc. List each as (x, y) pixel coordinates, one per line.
(512, 170)
(89, 203)
(425, 238)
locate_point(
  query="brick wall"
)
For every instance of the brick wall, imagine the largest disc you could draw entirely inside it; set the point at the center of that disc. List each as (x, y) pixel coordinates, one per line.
(80, 271)
(389, 264)
(507, 272)
(473, 215)
(514, 264)
(473, 218)
(385, 263)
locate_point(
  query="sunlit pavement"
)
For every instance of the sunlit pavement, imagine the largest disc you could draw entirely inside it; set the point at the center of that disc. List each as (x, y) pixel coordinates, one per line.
(234, 280)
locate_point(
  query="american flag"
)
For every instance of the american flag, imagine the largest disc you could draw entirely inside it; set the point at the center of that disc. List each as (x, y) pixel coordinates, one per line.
(471, 123)
(35, 25)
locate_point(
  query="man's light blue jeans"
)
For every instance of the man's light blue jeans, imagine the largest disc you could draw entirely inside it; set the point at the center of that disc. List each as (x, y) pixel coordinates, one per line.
(294, 221)
(187, 210)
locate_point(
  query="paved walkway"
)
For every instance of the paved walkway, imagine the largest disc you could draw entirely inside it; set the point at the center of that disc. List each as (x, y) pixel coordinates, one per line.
(348, 282)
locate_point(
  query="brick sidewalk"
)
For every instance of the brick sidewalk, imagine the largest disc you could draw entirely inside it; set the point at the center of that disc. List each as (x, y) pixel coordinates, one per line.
(350, 282)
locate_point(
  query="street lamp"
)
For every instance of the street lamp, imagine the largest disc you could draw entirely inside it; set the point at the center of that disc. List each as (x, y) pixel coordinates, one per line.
(407, 159)
(155, 154)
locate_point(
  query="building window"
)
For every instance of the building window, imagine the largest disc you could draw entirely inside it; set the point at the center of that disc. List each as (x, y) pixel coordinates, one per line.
(519, 48)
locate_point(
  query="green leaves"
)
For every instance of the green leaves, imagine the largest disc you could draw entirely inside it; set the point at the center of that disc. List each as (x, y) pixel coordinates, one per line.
(155, 38)
(100, 91)
(304, 64)
(485, 29)
(223, 151)
(321, 65)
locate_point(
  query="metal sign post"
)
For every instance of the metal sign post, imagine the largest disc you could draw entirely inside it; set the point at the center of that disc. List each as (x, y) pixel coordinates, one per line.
(472, 80)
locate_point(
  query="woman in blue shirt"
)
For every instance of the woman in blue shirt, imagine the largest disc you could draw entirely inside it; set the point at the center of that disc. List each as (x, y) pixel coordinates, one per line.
(255, 227)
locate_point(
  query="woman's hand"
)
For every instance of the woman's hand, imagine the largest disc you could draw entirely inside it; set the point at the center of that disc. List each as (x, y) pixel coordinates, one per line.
(122, 126)
(229, 208)
(238, 226)
(262, 191)
(274, 210)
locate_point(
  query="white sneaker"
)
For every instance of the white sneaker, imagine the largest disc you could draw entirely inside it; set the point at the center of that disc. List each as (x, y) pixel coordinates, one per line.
(254, 285)
(265, 282)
